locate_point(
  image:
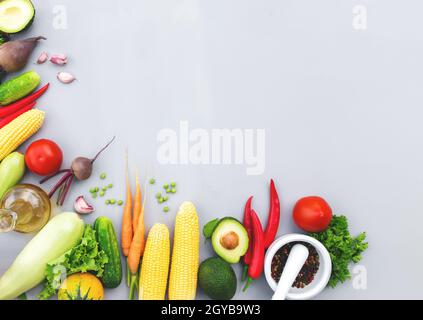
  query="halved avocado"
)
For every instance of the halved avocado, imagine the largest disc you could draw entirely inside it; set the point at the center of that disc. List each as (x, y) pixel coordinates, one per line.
(16, 15)
(230, 240)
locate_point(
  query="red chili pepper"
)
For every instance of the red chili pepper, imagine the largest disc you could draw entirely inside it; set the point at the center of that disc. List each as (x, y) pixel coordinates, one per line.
(255, 269)
(5, 121)
(274, 216)
(14, 107)
(248, 227)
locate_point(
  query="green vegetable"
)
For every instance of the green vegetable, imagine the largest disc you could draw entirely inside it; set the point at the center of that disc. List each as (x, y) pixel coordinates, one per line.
(29, 269)
(104, 188)
(152, 181)
(343, 248)
(166, 186)
(158, 195)
(173, 184)
(106, 236)
(209, 228)
(110, 185)
(230, 240)
(16, 15)
(165, 198)
(102, 193)
(166, 209)
(86, 256)
(103, 176)
(168, 190)
(12, 169)
(18, 87)
(112, 201)
(217, 278)
(173, 190)
(120, 202)
(92, 190)
(107, 201)
(4, 37)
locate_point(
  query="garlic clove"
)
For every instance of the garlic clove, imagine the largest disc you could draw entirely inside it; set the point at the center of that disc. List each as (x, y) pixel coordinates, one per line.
(65, 77)
(59, 59)
(82, 206)
(42, 58)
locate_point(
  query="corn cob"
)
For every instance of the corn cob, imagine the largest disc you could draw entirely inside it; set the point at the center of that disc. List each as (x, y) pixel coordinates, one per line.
(155, 264)
(186, 254)
(19, 130)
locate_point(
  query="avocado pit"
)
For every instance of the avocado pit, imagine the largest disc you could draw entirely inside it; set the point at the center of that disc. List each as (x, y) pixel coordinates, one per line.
(230, 240)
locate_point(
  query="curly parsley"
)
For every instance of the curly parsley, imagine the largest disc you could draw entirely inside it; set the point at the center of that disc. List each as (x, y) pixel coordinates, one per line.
(343, 248)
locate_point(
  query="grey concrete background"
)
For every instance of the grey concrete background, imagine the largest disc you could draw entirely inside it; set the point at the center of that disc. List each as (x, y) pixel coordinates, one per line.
(341, 109)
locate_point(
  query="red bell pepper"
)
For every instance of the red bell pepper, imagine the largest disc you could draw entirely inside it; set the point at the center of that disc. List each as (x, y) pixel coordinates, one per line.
(274, 216)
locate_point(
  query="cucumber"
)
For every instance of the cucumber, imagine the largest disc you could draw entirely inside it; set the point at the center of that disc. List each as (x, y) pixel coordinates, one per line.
(106, 238)
(18, 87)
(12, 169)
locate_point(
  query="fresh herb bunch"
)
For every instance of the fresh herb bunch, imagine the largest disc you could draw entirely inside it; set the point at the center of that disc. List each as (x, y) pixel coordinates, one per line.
(343, 248)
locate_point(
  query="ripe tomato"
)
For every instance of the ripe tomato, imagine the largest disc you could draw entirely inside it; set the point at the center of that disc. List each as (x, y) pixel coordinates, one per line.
(312, 214)
(43, 157)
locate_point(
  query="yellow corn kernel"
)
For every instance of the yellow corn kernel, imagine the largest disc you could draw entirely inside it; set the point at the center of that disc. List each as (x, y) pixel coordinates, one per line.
(186, 254)
(155, 264)
(19, 130)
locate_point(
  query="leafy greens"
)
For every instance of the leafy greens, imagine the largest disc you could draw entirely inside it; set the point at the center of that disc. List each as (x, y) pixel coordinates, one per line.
(342, 247)
(84, 257)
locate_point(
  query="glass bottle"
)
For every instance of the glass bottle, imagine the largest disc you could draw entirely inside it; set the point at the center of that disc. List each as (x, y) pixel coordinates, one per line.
(24, 208)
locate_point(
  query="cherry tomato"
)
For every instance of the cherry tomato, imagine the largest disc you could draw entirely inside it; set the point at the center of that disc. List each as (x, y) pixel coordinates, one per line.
(43, 157)
(312, 214)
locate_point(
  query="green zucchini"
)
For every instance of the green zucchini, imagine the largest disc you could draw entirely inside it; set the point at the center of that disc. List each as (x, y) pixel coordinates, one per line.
(106, 238)
(18, 87)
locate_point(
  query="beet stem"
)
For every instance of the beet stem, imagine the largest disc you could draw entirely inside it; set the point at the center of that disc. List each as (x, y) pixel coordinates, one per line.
(66, 190)
(53, 175)
(59, 183)
(104, 148)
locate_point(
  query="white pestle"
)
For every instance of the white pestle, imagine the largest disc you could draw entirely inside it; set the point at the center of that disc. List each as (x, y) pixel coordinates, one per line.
(296, 259)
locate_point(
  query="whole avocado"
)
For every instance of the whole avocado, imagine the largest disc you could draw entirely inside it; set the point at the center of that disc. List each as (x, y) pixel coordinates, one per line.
(217, 278)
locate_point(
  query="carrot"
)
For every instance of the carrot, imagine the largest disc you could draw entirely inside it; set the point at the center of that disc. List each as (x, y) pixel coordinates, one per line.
(137, 245)
(138, 242)
(137, 203)
(127, 231)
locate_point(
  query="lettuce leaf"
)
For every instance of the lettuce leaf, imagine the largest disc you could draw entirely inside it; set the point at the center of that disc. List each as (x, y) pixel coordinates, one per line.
(84, 257)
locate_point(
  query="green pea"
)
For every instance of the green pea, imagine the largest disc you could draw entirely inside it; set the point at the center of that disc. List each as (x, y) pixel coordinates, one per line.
(166, 209)
(173, 184)
(158, 195)
(112, 201)
(161, 200)
(110, 185)
(173, 190)
(166, 186)
(102, 193)
(96, 189)
(107, 201)
(152, 181)
(165, 198)
(94, 195)
(120, 202)
(103, 176)
(92, 190)
(168, 190)
(104, 188)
